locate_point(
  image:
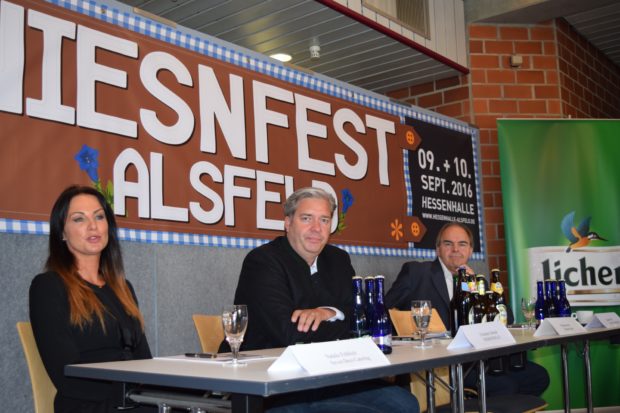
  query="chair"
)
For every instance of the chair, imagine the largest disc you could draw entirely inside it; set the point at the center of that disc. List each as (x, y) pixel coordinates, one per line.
(210, 331)
(43, 390)
(404, 325)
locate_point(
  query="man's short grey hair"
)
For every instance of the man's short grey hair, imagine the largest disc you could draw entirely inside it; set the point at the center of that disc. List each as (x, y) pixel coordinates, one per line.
(290, 206)
(464, 227)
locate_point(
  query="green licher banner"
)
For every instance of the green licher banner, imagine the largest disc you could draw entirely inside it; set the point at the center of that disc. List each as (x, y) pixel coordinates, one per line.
(561, 181)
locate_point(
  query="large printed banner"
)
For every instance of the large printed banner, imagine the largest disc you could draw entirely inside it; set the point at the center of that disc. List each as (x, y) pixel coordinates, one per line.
(561, 191)
(189, 138)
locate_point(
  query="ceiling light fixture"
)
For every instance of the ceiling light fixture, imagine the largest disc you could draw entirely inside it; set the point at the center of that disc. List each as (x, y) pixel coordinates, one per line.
(283, 57)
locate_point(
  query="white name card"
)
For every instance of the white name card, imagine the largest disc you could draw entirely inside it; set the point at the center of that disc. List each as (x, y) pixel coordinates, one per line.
(607, 320)
(559, 326)
(481, 336)
(330, 357)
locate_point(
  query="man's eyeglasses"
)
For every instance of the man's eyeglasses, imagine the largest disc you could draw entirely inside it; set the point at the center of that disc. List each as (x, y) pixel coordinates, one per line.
(450, 244)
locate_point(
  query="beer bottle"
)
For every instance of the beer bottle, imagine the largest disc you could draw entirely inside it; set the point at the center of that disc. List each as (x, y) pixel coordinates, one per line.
(359, 328)
(471, 281)
(466, 297)
(499, 296)
(381, 329)
(539, 311)
(369, 288)
(477, 312)
(455, 319)
(492, 314)
(550, 310)
(563, 307)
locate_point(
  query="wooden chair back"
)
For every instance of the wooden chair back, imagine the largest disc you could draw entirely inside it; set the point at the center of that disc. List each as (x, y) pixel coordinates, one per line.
(404, 325)
(210, 331)
(43, 390)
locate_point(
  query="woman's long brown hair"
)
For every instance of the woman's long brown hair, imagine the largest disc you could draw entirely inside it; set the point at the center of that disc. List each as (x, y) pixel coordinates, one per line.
(84, 306)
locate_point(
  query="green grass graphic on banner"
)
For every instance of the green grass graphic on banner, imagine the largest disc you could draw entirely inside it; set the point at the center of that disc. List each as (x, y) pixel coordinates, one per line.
(550, 169)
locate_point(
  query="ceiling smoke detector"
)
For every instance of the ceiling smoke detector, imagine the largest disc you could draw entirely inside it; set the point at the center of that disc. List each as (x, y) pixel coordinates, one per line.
(315, 52)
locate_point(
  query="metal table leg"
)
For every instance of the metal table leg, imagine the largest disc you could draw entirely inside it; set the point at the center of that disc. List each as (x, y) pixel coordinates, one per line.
(586, 361)
(459, 384)
(244, 403)
(565, 378)
(454, 401)
(430, 391)
(482, 389)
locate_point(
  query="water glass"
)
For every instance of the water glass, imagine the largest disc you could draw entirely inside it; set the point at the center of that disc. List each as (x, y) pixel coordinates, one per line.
(528, 307)
(235, 322)
(421, 311)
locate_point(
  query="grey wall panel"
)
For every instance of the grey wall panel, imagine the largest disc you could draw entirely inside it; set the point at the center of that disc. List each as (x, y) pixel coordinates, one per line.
(21, 258)
(141, 270)
(192, 280)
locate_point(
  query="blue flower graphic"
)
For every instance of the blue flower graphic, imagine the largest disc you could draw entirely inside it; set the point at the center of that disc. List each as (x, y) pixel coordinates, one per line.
(87, 158)
(347, 201)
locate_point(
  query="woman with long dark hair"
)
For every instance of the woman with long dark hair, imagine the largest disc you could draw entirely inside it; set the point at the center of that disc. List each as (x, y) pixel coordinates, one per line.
(82, 309)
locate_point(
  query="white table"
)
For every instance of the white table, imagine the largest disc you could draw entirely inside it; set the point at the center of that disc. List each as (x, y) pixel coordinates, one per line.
(251, 383)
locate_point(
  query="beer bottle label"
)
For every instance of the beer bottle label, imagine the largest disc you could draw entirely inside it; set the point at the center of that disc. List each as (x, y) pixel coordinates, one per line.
(497, 288)
(385, 340)
(502, 316)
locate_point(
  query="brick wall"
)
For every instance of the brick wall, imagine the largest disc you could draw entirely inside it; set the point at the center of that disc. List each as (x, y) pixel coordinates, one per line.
(590, 83)
(561, 75)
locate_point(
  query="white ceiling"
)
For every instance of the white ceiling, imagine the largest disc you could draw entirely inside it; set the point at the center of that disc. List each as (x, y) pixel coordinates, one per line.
(360, 55)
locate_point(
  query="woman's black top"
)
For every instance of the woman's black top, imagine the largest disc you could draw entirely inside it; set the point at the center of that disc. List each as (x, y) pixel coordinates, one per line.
(61, 343)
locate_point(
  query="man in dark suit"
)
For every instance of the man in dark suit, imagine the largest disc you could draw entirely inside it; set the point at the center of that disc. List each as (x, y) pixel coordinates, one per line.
(432, 280)
(298, 289)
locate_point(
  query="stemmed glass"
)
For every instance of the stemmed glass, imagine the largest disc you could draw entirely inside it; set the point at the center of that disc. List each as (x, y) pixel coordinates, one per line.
(528, 307)
(235, 321)
(421, 311)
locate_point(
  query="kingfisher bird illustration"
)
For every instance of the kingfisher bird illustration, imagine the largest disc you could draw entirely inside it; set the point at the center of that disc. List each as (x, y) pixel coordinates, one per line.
(579, 236)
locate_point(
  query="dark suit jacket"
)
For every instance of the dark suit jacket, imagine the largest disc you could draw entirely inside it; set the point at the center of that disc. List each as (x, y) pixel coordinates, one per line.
(275, 281)
(420, 280)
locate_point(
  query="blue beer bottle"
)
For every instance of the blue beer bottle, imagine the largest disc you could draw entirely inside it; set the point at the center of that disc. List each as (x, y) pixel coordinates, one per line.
(369, 289)
(381, 329)
(563, 307)
(550, 310)
(359, 328)
(539, 312)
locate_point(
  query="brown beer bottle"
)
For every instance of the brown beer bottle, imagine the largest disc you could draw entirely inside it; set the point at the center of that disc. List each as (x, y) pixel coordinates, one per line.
(477, 311)
(492, 314)
(499, 296)
(455, 320)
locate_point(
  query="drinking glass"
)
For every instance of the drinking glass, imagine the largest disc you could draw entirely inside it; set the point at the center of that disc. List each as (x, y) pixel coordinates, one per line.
(421, 311)
(235, 321)
(528, 307)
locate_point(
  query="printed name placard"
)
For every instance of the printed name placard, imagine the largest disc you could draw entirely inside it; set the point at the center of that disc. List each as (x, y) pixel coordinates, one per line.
(560, 326)
(481, 336)
(330, 357)
(607, 320)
